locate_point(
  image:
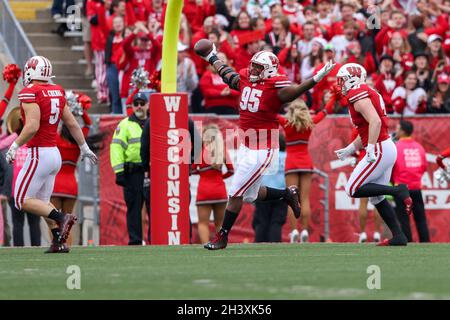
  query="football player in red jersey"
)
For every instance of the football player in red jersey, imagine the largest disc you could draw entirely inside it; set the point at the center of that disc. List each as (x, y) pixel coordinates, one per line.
(43, 105)
(443, 174)
(371, 176)
(263, 91)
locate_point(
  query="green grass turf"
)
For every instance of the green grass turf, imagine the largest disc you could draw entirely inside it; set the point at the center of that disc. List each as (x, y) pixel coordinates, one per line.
(249, 271)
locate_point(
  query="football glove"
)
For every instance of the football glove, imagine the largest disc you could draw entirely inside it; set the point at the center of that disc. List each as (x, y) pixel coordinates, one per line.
(11, 154)
(211, 54)
(346, 152)
(86, 152)
(324, 71)
(370, 153)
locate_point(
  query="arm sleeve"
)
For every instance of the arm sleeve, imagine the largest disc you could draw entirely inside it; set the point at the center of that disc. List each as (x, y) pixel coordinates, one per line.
(27, 96)
(118, 146)
(126, 44)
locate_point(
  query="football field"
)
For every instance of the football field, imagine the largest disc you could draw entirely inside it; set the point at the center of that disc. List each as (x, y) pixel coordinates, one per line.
(247, 271)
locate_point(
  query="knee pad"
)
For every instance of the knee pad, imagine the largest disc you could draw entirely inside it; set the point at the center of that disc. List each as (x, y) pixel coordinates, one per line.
(376, 200)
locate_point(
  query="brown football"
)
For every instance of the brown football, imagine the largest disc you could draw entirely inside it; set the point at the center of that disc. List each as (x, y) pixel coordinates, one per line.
(203, 47)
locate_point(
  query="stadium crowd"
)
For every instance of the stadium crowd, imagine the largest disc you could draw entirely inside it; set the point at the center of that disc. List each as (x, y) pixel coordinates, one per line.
(403, 44)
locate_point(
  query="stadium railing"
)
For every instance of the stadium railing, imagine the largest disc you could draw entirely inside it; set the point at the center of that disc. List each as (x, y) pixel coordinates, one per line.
(13, 36)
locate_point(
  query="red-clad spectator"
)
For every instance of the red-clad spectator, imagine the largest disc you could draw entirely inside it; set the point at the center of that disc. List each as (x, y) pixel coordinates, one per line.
(138, 10)
(219, 98)
(354, 55)
(208, 25)
(197, 10)
(157, 10)
(400, 50)
(245, 54)
(222, 45)
(409, 99)
(440, 26)
(118, 8)
(386, 81)
(397, 23)
(146, 53)
(280, 37)
(276, 10)
(437, 56)
(290, 60)
(347, 15)
(114, 56)
(323, 12)
(241, 26)
(439, 97)
(328, 82)
(95, 12)
(292, 10)
(341, 42)
(259, 23)
(304, 45)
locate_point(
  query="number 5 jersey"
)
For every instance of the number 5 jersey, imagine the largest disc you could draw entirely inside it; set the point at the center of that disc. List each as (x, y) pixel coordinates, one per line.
(51, 101)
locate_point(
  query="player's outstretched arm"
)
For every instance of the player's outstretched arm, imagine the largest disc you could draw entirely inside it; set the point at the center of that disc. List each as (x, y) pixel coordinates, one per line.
(76, 132)
(290, 93)
(207, 51)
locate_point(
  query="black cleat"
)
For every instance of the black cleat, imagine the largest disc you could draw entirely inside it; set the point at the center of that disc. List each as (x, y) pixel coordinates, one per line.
(404, 195)
(58, 248)
(293, 200)
(65, 226)
(219, 242)
(399, 240)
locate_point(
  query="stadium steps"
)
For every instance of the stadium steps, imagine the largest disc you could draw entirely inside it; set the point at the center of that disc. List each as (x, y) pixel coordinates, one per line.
(65, 52)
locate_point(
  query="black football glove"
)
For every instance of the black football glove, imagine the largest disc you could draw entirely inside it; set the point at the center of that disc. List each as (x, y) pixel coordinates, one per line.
(120, 179)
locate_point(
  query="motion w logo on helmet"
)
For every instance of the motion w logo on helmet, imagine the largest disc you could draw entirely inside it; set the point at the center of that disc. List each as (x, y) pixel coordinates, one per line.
(32, 64)
(354, 71)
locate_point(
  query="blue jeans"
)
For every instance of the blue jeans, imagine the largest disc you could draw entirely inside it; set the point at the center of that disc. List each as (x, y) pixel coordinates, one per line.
(58, 5)
(112, 77)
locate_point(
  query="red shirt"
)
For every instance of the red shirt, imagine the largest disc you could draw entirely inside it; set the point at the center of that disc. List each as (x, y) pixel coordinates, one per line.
(212, 85)
(259, 106)
(410, 165)
(363, 92)
(51, 100)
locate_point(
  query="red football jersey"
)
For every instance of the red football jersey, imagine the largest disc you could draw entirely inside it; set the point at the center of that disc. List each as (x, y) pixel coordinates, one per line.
(361, 92)
(51, 100)
(259, 106)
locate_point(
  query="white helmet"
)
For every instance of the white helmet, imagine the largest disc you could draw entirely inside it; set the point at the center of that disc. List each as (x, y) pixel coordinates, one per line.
(263, 65)
(37, 68)
(350, 75)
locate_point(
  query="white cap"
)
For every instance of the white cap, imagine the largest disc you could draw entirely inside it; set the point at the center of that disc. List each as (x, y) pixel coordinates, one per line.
(433, 37)
(320, 41)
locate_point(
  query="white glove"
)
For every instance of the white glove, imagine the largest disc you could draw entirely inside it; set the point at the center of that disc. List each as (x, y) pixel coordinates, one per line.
(442, 175)
(324, 71)
(212, 53)
(370, 153)
(11, 154)
(345, 152)
(86, 152)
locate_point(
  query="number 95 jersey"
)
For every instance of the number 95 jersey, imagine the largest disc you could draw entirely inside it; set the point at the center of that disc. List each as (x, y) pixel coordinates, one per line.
(259, 103)
(51, 100)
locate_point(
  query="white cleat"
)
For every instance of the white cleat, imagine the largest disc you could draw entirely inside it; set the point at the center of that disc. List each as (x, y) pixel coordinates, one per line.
(294, 236)
(304, 236)
(362, 237)
(376, 237)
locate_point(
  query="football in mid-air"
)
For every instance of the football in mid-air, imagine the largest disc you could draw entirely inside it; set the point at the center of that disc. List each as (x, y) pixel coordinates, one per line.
(203, 47)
